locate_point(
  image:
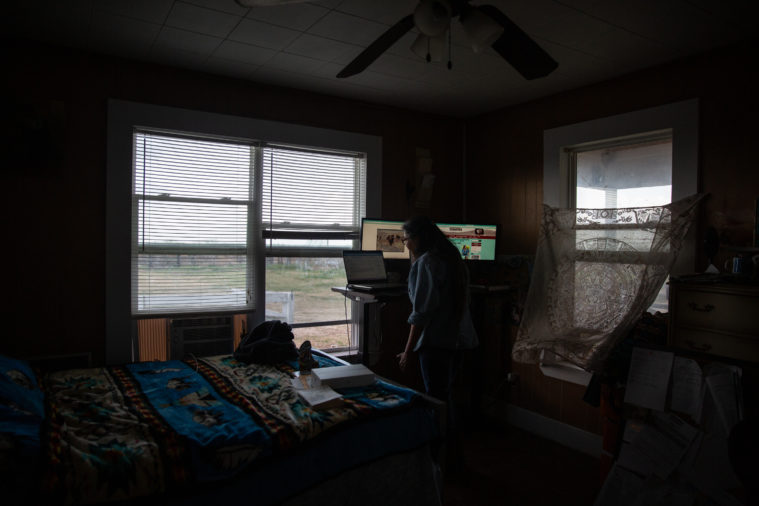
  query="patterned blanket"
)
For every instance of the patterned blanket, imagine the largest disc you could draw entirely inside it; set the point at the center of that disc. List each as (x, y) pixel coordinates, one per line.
(146, 428)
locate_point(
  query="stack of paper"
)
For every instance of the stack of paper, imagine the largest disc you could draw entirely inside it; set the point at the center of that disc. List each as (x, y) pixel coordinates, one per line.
(315, 395)
(666, 459)
(344, 376)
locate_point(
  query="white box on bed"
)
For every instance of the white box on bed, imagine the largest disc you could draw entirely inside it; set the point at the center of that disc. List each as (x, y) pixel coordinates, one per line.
(344, 376)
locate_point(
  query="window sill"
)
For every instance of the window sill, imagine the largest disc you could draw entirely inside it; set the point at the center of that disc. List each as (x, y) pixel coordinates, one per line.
(565, 371)
(348, 356)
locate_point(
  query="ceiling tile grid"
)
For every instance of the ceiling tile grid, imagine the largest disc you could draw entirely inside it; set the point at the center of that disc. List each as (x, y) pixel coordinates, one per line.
(304, 45)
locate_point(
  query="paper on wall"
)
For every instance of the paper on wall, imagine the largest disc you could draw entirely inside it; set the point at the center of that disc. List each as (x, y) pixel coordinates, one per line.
(648, 378)
(687, 388)
(657, 448)
(724, 385)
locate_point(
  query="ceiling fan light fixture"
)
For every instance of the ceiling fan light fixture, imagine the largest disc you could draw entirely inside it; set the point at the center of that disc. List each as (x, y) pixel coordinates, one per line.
(481, 29)
(434, 46)
(432, 17)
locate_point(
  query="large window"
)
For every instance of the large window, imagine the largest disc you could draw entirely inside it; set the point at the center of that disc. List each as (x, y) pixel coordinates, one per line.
(622, 160)
(193, 212)
(634, 140)
(634, 172)
(210, 215)
(313, 202)
(194, 224)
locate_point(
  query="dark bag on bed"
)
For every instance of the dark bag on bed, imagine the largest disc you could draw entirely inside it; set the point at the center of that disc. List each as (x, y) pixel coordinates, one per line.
(271, 342)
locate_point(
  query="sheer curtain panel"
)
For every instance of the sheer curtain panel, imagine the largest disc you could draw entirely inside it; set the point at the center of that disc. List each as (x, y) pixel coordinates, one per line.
(596, 272)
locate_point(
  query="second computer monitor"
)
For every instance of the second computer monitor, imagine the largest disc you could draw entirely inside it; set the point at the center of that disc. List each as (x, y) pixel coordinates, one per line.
(385, 236)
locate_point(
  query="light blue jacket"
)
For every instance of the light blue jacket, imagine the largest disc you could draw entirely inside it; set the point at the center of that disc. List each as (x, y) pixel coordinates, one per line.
(430, 288)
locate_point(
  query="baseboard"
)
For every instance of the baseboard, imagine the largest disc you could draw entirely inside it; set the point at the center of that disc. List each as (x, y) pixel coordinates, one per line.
(548, 428)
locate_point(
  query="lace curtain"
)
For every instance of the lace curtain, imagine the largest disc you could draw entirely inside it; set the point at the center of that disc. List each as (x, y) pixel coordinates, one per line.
(596, 271)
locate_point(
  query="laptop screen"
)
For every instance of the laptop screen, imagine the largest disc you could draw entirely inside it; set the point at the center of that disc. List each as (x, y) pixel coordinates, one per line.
(364, 266)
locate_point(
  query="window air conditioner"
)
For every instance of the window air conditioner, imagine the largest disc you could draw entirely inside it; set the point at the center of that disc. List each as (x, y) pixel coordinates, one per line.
(201, 337)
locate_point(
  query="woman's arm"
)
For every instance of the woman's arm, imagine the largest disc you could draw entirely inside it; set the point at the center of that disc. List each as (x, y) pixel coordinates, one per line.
(413, 336)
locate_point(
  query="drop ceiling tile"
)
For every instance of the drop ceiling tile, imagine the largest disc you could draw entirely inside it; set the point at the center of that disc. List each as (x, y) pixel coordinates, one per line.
(528, 14)
(574, 29)
(329, 4)
(175, 57)
(236, 51)
(396, 66)
(370, 95)
(322, 49)
(277, 77)
(466, 60)
(228, 6)
(387, 12)
(201, 20)
(127, 35)
(346, 28)
(375, 80)
(403, 46)
(231, 68)
(153, 11)
(250, 31)
(619, 45)
(329, 71)
(684, 29)
(438, 74)
(293, 63)
(296, 16)
(174, 38)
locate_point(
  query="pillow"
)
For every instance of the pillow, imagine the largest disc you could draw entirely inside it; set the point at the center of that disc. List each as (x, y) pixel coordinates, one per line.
(19, 388)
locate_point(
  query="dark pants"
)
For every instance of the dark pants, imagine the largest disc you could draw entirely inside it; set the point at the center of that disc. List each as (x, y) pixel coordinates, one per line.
(439, 368)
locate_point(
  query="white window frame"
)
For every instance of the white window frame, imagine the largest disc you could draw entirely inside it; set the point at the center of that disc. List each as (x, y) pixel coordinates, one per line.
(123, 118)
(681, 118)
(252, 207)
(300, 231)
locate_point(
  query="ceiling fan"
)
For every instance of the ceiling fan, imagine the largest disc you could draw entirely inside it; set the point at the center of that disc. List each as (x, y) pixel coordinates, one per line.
(485, 26)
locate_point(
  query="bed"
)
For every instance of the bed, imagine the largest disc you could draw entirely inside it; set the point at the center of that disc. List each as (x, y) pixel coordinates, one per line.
(211, 429)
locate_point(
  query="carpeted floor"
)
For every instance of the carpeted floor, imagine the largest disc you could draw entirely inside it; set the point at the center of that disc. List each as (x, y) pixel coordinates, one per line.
(503, 465)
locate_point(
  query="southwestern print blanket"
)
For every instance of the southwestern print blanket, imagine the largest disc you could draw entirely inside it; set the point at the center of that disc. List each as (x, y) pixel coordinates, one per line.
(146, 428)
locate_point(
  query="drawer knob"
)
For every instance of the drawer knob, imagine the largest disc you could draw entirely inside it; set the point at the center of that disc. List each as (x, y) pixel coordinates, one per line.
(701, 309)
(698, 347)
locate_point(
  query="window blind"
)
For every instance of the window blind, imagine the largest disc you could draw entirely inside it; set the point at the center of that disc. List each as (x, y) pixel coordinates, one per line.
(193, 204)
(312, 200)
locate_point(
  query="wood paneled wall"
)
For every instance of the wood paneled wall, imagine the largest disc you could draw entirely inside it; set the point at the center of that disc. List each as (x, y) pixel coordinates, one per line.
(55, 201)
(505, 171)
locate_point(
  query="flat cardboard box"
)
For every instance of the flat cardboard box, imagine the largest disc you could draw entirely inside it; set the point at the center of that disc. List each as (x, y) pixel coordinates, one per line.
(344, 376)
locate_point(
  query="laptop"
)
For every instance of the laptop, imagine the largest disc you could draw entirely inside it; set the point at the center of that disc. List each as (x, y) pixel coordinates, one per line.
(365, 271)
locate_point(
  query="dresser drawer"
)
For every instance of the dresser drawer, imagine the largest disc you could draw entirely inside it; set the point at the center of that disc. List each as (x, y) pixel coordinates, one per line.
(715, 343)
(727, 312)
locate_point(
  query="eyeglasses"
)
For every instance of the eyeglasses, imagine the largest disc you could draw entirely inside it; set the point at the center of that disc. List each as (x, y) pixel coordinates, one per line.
(405, 239)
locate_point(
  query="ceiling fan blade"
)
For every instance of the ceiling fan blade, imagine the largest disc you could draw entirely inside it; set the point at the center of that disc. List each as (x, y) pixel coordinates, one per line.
(378, 47)
(517, 48)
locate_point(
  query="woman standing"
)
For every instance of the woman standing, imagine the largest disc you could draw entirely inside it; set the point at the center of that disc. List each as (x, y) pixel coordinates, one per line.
(441, 326)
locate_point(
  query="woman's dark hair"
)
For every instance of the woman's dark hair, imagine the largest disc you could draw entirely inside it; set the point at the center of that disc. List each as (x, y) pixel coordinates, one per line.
(430, 239)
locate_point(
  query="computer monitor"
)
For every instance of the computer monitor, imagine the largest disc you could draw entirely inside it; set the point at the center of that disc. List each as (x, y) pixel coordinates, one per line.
(474, 241)
(385, 236)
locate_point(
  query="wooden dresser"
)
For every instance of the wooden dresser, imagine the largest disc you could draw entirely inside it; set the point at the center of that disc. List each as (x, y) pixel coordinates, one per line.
(720, 319)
